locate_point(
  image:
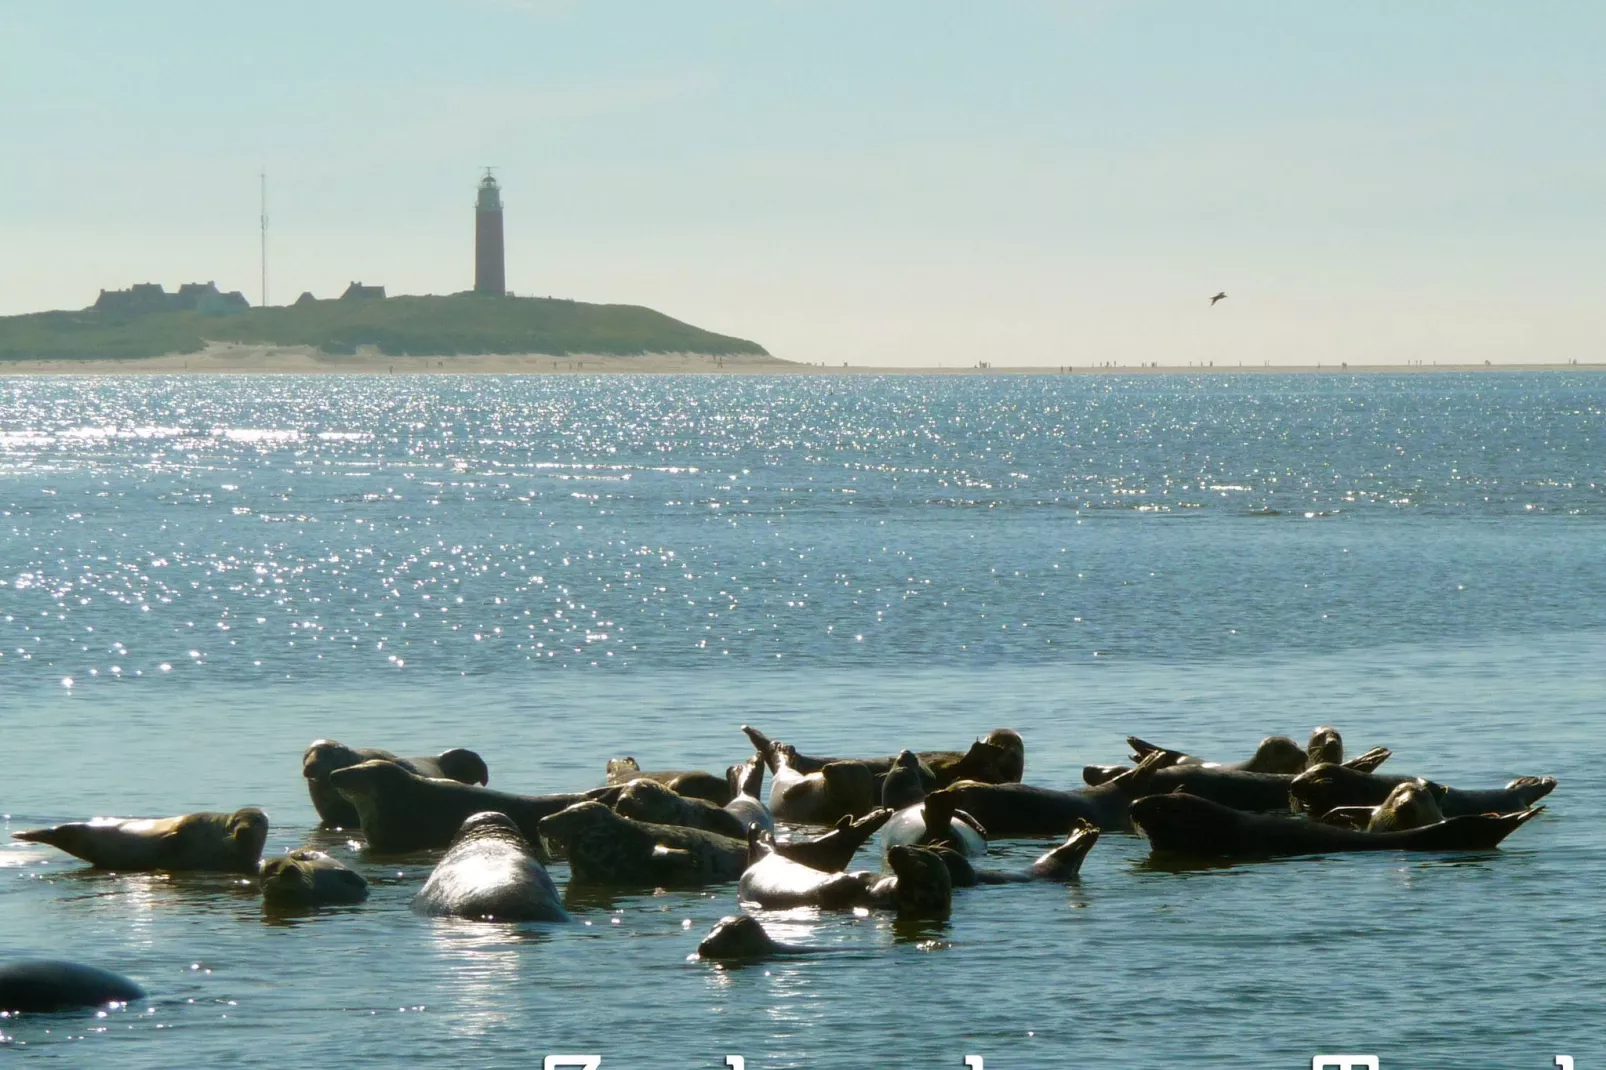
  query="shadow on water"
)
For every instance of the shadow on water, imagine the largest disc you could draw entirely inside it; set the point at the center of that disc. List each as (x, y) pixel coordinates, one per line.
(1175, 863)
(927, 934)
(332, 840)
(284, 916)
(198, 891)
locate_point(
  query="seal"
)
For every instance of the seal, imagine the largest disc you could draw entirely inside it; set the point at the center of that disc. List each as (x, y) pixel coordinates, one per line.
(46, 986)
(306, 878)
(694, 784)
(490, 873)
(1183, 824)
(1413, 804)
(839, 789)
(919, 885)
(610, 849)
(1325, 745)
(772, 880)
(326, 755)
(999, 758)
(1327, 787)
(740, 938)
(936, 821)
(650, 801)
(904, 785)
(834, 850)
(1062, 863)
(204, 842)
(401, 811)
(926, 819)
(1275, 754)
(746, 781)
(1008, 811)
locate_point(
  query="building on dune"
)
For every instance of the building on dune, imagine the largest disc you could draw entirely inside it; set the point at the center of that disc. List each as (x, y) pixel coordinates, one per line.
(358, 292)
(146, 297)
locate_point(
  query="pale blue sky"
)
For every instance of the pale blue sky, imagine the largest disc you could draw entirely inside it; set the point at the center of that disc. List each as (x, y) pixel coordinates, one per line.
(878, 183)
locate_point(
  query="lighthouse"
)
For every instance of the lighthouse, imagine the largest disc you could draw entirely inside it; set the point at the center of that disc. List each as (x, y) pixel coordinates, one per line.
(489, 274)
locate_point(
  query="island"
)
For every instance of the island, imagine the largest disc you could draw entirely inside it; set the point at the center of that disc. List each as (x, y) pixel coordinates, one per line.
(146, 326)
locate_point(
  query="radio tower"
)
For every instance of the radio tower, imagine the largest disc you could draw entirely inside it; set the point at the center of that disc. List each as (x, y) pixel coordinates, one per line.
(264, 237)
(490, 276)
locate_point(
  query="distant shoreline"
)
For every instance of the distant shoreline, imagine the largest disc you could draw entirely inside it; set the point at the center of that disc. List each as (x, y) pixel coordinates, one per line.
(239, 359)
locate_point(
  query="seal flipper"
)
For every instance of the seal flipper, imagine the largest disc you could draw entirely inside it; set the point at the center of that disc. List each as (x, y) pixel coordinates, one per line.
(762, 744)
(832, 851)
(1094, 775)
(1141, 749)
(1348, 817)
(1369, 761)
(759, 845)
(970, 820)
(747, 778)
(1065, 861)
(1472, 832)
(1136, 780)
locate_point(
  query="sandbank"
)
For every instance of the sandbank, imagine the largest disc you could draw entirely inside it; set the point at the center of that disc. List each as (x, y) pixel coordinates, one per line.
(238, 359)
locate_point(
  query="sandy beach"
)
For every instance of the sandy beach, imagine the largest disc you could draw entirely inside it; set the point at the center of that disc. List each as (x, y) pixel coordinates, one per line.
(232, 359)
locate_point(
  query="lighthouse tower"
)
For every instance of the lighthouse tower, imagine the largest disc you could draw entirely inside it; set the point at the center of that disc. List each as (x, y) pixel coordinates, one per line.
(490, 277)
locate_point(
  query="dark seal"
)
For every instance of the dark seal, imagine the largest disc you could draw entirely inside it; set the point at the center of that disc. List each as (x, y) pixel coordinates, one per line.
(605, 848)
(325, 756)
(401, 811)
(1182, 824)
(693, 783)
(305, 878)
(490, 873)
(740, 938)
(1327, 786)
(46, 986)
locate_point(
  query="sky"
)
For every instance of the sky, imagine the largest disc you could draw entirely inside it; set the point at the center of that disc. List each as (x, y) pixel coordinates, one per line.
(870, 182)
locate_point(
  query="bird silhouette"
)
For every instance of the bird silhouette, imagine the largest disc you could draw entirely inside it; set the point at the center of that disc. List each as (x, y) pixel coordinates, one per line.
(1218, 297)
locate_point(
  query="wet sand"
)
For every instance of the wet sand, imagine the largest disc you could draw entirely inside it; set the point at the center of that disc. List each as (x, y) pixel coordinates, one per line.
(303, 360)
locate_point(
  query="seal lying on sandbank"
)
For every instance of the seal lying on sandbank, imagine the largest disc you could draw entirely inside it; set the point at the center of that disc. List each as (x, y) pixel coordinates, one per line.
(1275, 754)
(740, 938)
(650, 801)
(401, 811)
(490, 873)
(45, 986)
(692, 783)
(325, 756)
(839, 789)
(998, 758)
(927, 819)
(1411, 805)
(611, 849)
(772, 880)
(1326, 787)
(1009, 810)
(1188, 825)
(208, 842)
(305, 878)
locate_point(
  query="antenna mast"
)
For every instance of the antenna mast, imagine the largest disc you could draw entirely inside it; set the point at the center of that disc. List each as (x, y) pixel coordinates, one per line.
(264, 237)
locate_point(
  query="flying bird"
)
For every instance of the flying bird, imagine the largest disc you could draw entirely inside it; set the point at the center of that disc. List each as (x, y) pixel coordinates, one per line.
(1218, 297)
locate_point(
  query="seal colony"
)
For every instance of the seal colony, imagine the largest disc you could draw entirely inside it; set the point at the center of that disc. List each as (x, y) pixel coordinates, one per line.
(935, 812)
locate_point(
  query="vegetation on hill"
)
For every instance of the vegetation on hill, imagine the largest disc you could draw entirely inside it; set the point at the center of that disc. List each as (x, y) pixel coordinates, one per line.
(398, 326)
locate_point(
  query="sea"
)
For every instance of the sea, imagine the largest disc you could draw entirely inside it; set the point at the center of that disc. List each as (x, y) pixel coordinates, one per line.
(200, 576)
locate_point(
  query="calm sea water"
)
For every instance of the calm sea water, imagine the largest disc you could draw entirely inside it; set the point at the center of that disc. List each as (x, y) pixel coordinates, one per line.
(198, 577)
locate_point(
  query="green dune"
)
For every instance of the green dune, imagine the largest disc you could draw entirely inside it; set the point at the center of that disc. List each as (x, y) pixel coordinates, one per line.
(461, 324)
